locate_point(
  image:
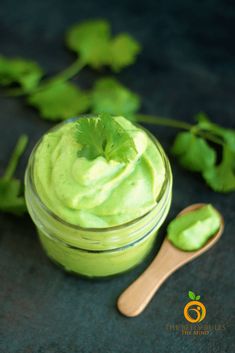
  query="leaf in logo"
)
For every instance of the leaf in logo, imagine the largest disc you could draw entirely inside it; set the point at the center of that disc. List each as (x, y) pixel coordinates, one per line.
(191, 295)
(198, 297)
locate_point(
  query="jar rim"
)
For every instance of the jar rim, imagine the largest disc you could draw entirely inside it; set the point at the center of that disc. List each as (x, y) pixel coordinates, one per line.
(164, 189)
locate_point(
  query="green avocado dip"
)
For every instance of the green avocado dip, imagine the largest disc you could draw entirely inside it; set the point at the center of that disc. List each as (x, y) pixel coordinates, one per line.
(191, 231)
(98, 189)
(96, 192)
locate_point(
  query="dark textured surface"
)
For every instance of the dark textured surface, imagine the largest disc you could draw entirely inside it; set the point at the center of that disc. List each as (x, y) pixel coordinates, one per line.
(187, 65)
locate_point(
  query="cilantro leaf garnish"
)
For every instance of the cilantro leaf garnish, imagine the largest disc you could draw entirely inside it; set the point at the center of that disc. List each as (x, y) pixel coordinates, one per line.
(92, 41)
(104, 136)
(110, 96)
(90, 133)
(24, 72)
(60, 100)
(119, 145)
(11, 199)
(193, 152)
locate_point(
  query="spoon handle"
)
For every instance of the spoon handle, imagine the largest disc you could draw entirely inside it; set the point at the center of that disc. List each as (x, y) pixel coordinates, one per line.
(137, 296)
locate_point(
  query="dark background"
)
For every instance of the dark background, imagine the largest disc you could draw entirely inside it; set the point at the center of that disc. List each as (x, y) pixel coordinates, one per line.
(187, 65)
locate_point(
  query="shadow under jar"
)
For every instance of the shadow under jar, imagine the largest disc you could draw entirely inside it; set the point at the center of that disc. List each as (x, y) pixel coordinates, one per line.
(97, 252)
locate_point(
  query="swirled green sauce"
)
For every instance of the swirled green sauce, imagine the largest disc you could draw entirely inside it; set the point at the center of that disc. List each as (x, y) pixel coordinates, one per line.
(97, 192)
(191, 231)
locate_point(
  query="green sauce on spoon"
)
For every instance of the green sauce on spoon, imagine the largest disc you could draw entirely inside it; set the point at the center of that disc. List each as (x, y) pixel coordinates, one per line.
(191, 231)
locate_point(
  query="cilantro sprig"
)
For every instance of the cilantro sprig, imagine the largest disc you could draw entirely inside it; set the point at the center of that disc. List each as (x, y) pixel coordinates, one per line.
(55, 97)
(104, 136)
(198, 149)
(11, 198)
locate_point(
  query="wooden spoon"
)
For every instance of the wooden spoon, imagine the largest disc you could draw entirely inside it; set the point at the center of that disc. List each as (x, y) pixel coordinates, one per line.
(137, 296)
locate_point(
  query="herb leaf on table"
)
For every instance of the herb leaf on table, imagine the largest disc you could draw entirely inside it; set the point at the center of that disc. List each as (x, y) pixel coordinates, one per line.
(60, 100)
(11, 198)
(193, 152)
(92, 41)
(24, 72)
(110, 96)
(123, 51)
(221, 178)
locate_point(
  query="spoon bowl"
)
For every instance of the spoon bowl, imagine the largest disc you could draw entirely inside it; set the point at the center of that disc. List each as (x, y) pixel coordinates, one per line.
(137, 296)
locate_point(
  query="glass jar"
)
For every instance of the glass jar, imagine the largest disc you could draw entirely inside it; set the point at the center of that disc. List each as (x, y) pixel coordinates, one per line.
(97, 252)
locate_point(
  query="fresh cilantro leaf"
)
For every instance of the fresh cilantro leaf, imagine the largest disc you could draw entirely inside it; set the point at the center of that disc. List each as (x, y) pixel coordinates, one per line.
(193, 152)
(110, 96)
(25, 72)
(90, 133)
(60, 100)
(104, 136)
(90, 40)
(228, 135)
(10, 189)
(124, 50)
(120, 145)
(221, 178)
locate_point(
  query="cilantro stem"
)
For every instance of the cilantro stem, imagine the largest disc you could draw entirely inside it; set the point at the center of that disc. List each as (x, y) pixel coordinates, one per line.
(62, 76)
(18, 151)
(70, 71)
(208, 136)
(163, 121)
(149, 119)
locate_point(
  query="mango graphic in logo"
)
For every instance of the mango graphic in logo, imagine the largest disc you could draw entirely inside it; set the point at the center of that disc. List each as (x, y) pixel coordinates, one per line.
(194, 311)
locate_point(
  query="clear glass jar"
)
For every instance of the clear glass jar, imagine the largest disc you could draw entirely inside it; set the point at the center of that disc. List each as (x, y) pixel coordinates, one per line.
(97, 252)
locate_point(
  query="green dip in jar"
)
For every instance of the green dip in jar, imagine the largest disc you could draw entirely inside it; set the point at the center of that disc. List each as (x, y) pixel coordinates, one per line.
(97, 216)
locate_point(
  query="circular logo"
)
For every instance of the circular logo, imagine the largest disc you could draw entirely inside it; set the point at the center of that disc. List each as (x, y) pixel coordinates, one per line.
(194, 307)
